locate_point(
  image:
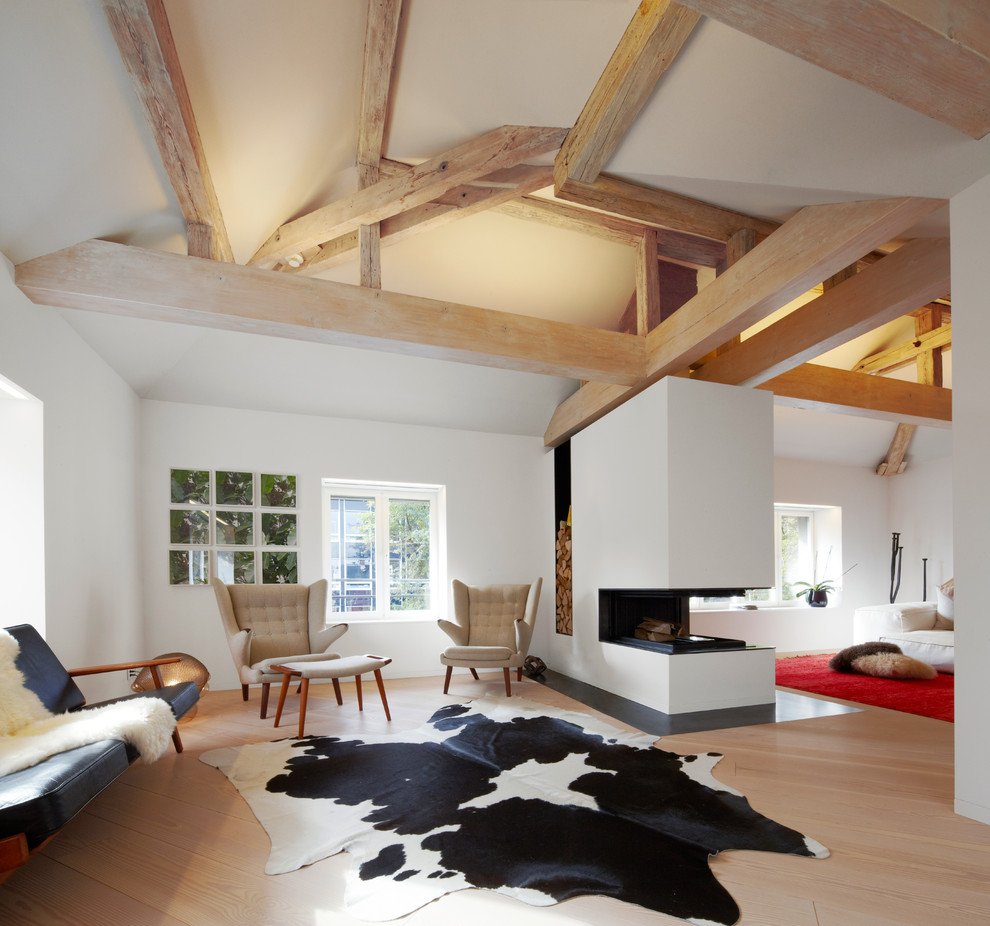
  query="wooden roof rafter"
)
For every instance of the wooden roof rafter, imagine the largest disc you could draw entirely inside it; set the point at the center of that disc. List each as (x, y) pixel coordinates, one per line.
(502, 147)
(777, 270)
(932, 57)
(144, 39)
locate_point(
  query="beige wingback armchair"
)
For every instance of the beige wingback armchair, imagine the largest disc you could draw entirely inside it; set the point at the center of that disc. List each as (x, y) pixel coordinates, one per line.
(492, 628)
(269, 624)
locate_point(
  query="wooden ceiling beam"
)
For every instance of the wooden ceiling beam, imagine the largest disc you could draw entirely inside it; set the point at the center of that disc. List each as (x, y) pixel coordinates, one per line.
(931, 57)
(671, 245)
(458, 203)
(502, 147)
(885, 290)
(380, 40)
(101, 276)
(651, 42)
(143, 36)
(828, 389)
(907, 352)
(661, 208)
(381, 33)
(817, 243)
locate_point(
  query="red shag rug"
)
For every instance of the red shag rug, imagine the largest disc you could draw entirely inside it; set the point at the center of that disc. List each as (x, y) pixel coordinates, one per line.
(929, 698)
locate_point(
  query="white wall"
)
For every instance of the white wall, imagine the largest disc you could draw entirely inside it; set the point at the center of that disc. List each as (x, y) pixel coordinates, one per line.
(970, 223)
(22, 512)
(92, 580)
(499, 514)
(921, 511)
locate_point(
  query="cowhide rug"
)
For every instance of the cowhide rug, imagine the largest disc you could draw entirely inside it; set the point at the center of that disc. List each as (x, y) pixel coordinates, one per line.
(508, 795)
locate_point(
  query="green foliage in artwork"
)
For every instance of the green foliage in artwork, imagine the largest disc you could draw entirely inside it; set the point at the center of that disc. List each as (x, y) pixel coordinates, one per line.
(278, 530)
(235, 488)
(235, 527)
(278, 569)
(190, 486)
(188, 567)
(189, 525)
(278, 491)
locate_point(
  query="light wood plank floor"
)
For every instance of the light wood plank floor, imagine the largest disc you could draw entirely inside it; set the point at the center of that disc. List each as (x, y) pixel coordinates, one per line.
(172, 844)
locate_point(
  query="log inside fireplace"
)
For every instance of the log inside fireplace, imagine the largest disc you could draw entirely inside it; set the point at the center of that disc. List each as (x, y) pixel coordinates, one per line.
(621, 611)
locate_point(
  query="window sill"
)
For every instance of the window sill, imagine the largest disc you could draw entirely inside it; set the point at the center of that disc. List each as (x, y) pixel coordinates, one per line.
(365, 617)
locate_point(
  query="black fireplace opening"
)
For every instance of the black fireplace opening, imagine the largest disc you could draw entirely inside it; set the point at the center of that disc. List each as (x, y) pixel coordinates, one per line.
(658, 618)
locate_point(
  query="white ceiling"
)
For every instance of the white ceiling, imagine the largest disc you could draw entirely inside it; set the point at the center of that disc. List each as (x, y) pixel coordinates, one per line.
(275, 91)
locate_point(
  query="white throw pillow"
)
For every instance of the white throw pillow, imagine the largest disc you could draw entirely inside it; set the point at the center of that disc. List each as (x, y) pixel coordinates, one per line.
(944, 596)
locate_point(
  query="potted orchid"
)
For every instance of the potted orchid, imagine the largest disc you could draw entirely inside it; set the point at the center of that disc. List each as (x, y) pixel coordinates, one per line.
(816, 593)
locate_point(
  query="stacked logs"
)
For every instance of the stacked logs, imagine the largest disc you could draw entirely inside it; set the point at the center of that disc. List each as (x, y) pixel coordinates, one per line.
(564, 622)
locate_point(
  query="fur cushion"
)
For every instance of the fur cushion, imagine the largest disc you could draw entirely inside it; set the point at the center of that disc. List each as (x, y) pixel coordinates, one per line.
(893, 665)
(882, 660)
(29, 733)
(843, 660)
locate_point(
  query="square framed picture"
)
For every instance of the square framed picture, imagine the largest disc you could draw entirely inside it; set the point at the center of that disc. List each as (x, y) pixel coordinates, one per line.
(234, 488)
(190, 486)
(277, 491)
(188, 567)
(188, 525)
(278, 568)
(235, 528)
(235, 567)
(278, 529)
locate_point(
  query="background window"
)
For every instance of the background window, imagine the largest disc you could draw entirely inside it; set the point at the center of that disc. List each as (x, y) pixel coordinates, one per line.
(383, 547)
(807, 548)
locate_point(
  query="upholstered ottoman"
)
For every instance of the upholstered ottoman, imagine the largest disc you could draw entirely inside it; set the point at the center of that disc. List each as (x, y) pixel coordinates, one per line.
(333, 669)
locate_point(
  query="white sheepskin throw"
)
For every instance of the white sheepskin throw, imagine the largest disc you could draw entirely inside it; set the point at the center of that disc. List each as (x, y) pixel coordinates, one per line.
(29, 733)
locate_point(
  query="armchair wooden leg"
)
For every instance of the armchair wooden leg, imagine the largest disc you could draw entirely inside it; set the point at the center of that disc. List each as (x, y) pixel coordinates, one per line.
(265, 686)
(336, 690)
(508, 689)
(176, 741)
(357, 686)
(474, 672)
(446, 679)
(244, 692)
(519, 674)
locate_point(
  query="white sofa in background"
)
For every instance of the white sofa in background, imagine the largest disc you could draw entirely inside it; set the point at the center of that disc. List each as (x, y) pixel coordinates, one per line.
(916, 627)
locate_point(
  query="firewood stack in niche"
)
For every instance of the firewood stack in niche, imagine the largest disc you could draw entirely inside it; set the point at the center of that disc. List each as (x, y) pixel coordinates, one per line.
(564, 622)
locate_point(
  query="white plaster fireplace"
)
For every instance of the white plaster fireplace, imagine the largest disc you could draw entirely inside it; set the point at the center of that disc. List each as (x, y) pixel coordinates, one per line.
(672, 490)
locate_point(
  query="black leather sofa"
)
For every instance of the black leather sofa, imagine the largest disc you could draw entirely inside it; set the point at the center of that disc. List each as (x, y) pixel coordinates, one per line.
(36, 802)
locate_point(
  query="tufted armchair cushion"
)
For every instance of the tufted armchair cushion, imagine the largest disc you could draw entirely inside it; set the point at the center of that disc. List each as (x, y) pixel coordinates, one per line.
(269, 624)
(492, 627)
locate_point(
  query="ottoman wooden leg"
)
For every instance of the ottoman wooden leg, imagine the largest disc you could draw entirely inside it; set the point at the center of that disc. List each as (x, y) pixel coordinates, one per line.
(281, 698)
(303, 695)
(381, 691)
(474, 672)
(265, 686)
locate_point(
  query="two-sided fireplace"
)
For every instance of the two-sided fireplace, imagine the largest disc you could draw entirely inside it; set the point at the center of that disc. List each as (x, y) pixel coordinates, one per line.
(621, 611)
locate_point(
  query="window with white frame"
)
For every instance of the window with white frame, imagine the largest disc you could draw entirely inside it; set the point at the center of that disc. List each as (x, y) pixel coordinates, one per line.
(383, 548)
(807, 549)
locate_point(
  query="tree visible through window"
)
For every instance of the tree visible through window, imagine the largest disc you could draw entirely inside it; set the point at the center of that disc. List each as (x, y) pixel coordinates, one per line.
(370, 526)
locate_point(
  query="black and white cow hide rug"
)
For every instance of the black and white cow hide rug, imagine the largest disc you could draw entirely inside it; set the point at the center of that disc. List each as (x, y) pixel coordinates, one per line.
(507, 795)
